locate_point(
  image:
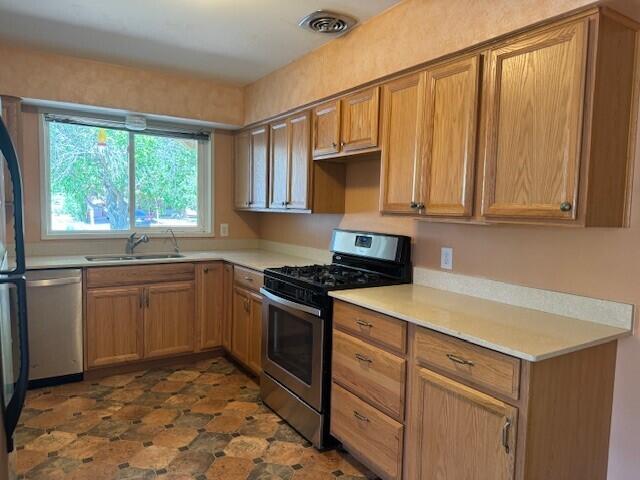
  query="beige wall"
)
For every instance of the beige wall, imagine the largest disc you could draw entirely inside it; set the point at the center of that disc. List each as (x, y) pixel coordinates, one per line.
(602, 263)
(241, 225)
(38, 74)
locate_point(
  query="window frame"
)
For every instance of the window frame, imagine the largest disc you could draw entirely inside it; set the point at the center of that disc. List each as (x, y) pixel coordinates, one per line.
(205, 195)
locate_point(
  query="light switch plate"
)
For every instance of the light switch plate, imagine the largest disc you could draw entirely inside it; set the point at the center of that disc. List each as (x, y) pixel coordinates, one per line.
(446, 258)
(224, 229)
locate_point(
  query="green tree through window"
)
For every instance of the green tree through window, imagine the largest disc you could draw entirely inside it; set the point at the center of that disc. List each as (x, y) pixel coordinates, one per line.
(89, 179)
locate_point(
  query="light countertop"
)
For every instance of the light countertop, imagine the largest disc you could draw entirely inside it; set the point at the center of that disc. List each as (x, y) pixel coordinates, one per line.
(255, 259)
(521, 332)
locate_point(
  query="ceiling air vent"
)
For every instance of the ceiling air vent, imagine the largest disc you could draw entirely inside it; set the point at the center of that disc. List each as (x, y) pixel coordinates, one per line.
(324, 21)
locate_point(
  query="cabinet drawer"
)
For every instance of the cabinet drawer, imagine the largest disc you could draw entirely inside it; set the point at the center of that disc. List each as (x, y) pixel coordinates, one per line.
(370, 372)
(373, 437)
(370, 325)
(483, 367)
(247, 278)
(139, 274)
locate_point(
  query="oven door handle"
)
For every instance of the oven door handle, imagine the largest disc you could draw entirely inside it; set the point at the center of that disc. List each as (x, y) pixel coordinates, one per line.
(288, 303)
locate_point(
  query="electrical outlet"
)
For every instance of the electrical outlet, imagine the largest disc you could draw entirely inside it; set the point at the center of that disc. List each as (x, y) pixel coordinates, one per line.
(446, 258)
(224, 229)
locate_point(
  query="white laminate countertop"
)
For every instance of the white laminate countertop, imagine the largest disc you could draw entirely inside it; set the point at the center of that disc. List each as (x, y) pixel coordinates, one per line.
(521, 332)
(255, 259)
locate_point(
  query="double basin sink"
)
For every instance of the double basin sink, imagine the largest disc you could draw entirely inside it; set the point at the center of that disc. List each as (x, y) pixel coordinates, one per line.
(119, 258)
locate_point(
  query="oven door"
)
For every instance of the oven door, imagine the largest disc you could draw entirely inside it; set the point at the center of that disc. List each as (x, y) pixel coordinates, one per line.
(293, 346)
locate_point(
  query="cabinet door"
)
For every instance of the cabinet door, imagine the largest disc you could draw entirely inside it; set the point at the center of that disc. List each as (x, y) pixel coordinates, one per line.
(535, 97)
(279, 164)
(169, 319)
(259, 165)
(114, 325)
(242, 170)
(402, 113)
(299, 164)
(210, 300)
(450, 138)
(326, 129)
(254, 360)
(240, 327)
(359, 124)
(228, 305)
(458, 432)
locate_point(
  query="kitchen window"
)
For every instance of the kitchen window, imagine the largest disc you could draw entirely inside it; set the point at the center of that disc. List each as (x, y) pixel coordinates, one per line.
(101, 179)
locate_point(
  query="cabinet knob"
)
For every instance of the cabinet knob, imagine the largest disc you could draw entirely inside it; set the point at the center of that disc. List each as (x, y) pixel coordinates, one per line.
(413, 205)
(420, 206)
(566, 206)
(334, 144)
(342, 144)
(205, 269)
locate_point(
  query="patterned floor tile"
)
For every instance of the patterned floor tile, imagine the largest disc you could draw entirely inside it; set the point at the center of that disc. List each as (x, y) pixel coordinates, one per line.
(188, 422)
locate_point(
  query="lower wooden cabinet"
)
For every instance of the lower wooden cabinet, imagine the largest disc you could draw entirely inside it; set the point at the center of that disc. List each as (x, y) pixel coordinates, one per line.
(458, 430)
(240, 328)
(367, 433)
(169, 319)
(210, 303)
(114, 325)
(246, 333)
(227, 294)
(471, 413)
(255, 333)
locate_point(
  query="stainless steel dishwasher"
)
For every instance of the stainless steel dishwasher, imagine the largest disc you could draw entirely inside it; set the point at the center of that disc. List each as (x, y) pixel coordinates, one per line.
(54, 315)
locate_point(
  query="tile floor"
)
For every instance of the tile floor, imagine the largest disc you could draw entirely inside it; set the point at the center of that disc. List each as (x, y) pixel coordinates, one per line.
(196, 421)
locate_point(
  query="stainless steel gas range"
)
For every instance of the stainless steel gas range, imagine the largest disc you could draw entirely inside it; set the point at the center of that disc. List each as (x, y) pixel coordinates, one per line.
(297, 312)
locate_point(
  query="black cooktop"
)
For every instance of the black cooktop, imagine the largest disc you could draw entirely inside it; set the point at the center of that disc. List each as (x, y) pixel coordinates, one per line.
(330, 277)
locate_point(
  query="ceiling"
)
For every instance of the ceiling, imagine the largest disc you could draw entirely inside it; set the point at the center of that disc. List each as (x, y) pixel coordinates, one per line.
(237, 41)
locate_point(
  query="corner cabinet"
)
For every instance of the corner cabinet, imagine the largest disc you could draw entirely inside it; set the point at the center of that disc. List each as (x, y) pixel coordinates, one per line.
(251, 169)
(210, 302)
(346, 125)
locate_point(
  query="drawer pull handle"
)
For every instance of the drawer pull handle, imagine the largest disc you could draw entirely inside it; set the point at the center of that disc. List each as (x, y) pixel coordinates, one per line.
(248, 279)
(505, 434)
(460, 360)
(364, 323)
(363, 358)
(359, 416)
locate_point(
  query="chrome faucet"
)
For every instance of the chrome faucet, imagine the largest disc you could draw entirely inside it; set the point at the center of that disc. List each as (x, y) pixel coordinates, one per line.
(176, 248)
(133, 242)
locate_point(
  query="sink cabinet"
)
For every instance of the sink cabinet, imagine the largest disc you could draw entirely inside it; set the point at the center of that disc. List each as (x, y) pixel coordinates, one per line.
(114, 325)
(139, 312)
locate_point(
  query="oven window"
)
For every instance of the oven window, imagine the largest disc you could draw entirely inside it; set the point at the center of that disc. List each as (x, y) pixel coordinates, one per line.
(290, 343)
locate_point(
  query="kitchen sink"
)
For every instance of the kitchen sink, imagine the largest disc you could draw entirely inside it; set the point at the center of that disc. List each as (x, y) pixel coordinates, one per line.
(144, 256)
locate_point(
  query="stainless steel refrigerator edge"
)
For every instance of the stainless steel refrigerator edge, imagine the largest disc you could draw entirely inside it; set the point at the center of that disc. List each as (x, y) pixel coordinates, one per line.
(14, 350)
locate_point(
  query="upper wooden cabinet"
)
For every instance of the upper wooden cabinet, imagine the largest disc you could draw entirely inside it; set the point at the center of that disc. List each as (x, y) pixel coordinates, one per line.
(450, 124)
(558, 117)
(251, 167)
(242, 171)
(279, 164)
(401, 160)
(290, 163)
(326, 129)
(346, 125)
(535, 96)
(359, 120)
(429, 140)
